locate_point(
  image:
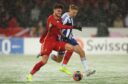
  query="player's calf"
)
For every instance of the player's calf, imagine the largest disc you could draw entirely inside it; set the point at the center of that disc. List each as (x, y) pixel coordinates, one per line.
(37, 67)
(79, 50)
(39, 64)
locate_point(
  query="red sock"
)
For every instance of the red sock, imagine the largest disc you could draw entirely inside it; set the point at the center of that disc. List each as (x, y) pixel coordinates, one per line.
(67, 57)
(37, 67)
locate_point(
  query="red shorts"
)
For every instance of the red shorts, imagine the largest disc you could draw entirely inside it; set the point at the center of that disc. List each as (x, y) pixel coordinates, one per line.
(48, 46)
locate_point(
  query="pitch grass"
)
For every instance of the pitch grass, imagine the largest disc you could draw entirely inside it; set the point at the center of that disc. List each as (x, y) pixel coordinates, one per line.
(110, 70)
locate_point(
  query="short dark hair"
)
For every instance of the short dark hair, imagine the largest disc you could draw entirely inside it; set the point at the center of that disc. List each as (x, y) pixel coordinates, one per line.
(57, 5)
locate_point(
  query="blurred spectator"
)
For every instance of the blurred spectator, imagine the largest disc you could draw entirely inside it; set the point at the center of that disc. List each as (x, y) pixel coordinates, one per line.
(4, 18)
(33, 32)
(118, 22)
(35, 13)
(37, 30)
(112, 13)
(34, 16)
(126, 20)
(29, 12)
(102, 30)
(23, 17)
(13, 23)
(41, 28)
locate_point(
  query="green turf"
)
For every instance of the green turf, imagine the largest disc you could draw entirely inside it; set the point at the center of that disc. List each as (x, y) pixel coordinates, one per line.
(110, 70)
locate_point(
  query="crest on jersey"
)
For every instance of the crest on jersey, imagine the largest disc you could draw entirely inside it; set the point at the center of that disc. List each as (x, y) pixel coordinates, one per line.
(50, 25)
(57, 21)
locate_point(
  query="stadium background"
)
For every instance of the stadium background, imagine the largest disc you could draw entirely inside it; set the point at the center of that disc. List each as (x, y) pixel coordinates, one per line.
(104, 38)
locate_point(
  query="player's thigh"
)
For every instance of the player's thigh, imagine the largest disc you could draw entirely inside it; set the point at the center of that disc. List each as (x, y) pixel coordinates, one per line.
(45, 59)
(62, 46)
(60, 55)
(69, 47)
(79, 50)
(46, 49)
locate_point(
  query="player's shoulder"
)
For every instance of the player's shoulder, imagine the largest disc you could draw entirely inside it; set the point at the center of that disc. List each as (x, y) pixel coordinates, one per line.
(50, 17)
(65, 15)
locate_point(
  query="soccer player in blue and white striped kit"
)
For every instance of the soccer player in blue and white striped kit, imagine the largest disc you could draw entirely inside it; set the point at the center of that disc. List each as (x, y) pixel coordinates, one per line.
(67, 36)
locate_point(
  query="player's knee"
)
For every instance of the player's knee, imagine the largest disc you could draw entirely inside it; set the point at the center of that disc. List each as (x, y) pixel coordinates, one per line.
(80, 51)
(69, 47)
(60, 58)
(59, 61)
(44, 59)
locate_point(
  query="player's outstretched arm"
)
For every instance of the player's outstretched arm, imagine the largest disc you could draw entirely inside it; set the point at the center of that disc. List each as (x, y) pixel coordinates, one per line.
(60, 25)
(78, 28)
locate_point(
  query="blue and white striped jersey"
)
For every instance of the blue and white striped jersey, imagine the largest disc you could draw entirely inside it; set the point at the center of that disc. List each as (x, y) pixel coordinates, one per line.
(67, 20)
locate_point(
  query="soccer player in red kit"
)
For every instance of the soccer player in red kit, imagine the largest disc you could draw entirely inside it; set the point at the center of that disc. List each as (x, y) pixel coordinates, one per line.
(49, 39)
(68, 19)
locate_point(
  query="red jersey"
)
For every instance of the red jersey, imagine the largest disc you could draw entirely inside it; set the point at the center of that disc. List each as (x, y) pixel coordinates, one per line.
(53, 28)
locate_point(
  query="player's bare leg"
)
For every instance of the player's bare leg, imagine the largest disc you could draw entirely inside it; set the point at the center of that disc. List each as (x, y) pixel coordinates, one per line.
(67, 56)
(60, 56)
(81, 52)
(70, 48)
(57, 58)
(37, 67)
(44, 61)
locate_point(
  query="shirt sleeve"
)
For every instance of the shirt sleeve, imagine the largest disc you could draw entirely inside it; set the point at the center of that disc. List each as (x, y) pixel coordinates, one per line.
(65, 20)
(59, 24)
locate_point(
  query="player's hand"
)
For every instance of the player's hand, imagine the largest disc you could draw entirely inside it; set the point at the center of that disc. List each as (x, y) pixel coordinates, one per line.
(78, 28)
(65, 38)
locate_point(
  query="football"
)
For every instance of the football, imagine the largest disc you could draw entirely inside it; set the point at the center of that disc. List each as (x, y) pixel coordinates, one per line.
(77, 76)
